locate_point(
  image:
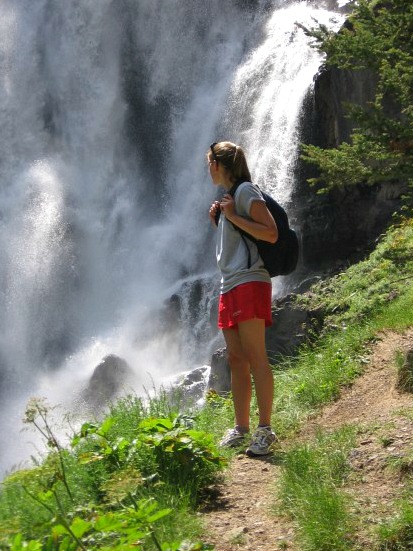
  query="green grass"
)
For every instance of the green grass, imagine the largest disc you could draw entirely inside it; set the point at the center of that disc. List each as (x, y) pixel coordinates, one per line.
(396, 533)
(399, 313)
(312, 475)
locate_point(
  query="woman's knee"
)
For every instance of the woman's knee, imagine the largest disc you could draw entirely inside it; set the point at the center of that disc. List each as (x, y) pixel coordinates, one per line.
(259, 364)
(237, 360)
(255, 356)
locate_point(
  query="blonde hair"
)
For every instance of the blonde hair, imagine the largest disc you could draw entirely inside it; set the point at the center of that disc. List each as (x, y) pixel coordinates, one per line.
(232, 158)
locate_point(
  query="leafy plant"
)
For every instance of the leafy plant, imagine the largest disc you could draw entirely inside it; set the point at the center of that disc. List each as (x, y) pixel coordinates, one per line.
(49, 507)
(184, 456)
(120, 530)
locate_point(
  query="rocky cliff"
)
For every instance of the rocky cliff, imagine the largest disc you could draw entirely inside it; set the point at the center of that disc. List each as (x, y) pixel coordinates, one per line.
(344, 224)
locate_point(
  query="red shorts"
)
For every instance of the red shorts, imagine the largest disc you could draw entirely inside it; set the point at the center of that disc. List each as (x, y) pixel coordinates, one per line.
(244, 302)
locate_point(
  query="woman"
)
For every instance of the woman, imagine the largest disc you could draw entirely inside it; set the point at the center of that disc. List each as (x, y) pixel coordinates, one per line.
(245, 299)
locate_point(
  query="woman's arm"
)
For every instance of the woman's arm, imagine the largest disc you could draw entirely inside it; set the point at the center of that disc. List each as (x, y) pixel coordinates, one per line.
(262, 226)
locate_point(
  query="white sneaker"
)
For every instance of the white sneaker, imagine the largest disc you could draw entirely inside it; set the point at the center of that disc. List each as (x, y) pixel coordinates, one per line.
(232, 438)
(261, 441)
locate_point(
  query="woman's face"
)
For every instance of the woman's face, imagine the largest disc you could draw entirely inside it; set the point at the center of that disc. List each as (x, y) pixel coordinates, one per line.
(214, 171)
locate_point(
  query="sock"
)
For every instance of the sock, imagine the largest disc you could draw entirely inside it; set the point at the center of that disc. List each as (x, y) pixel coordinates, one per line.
(244, 430)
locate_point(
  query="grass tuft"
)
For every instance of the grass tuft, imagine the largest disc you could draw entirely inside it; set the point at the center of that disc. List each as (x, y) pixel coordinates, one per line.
(312, 475)
(396, 534)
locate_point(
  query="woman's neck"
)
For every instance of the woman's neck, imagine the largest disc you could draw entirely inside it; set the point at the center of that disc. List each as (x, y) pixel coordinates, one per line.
(227, 184)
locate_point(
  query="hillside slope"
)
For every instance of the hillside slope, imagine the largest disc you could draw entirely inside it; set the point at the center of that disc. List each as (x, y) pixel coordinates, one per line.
(244, 514)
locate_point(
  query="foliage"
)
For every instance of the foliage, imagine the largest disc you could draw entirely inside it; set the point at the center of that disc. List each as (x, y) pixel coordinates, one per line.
(378, 38)
(49, 507)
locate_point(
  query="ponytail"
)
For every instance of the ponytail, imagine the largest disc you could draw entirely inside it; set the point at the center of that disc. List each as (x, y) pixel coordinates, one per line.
(232, 158)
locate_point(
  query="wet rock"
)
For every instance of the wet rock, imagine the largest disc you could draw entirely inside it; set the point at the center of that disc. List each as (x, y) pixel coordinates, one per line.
(193, 384)
(107, 380)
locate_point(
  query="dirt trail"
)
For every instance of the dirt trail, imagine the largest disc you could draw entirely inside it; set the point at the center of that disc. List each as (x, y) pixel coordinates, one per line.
(243, 514)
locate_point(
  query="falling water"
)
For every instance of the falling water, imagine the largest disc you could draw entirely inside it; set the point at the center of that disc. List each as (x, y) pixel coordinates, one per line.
(107, 110)
(269, 90)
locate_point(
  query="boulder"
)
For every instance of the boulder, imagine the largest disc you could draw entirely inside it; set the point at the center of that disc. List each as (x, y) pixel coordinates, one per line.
(220, 375)
(107, 380)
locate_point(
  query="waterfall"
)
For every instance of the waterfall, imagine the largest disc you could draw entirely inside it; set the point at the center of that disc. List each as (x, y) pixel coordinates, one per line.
(107, 111)
(268, 91)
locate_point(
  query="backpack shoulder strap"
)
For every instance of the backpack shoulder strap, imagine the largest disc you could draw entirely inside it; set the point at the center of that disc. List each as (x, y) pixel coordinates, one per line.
(235, 187)
(244, 235)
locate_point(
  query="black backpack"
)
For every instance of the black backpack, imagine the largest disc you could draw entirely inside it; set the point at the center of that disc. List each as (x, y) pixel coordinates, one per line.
(281, 257)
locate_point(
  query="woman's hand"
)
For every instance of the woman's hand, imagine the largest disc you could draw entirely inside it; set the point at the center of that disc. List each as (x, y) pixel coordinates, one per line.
(214, 208)
(228, 206)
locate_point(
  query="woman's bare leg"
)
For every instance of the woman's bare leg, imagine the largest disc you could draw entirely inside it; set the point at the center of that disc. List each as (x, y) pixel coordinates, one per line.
(251, 335)
(240, 378)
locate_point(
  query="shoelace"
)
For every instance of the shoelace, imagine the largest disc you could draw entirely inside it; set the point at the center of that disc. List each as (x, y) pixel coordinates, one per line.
(261, 436)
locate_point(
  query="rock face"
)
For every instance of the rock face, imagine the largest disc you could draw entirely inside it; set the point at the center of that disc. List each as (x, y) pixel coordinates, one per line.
(332, 89)
(342, 225)
(292, 326)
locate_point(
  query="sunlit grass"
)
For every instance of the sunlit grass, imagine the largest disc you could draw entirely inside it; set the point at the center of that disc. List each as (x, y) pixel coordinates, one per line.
(399, 313)
(310, 490)
(396, 533)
